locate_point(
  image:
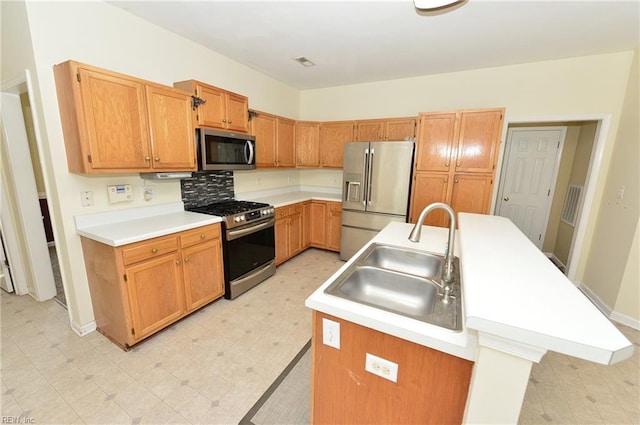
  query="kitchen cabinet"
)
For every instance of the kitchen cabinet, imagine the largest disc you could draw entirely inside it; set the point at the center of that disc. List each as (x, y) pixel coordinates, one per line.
(288, 232)
(385, 129)
(221, 108)
(115, 123)
(275, 140)
(306, 224)
(139, 288)
(456, 156)
(326, 222)
(307, 137)
(431, 386)
(333, 136)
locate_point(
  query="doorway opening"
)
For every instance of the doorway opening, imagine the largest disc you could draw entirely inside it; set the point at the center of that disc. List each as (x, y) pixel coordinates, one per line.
(576, 165)
(26, 227)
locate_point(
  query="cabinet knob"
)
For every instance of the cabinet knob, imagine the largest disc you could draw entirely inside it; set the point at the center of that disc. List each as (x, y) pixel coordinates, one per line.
(224, 121)
(229, 121)
(506, 198)
(157, 159)
(178, 262)
(154, 250)
(202, 236)
(455, 181)
(186, 260)
(147, 158)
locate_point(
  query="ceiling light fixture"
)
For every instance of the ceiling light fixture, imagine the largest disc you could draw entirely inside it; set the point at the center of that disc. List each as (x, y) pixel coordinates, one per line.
(304, 61)
(434, 4)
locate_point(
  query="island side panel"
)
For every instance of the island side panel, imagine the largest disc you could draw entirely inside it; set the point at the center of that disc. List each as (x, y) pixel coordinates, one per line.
(431, 388)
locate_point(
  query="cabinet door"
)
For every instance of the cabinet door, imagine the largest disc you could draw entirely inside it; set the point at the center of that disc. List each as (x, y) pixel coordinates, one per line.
(306, 224)
(295, 229)
(317, 230)
(212, 112)
(115, 115)
(436, 135)
(368, 131)
(307, 144)
(237, 118)
(156, 294)
(479, 141)
(282, 239)
(285, 143)
(263, 126)
(471, 193)
(172, 132)
(400, 129)
(332, 139)
(203, 274)
(334, 224)
(427, 189)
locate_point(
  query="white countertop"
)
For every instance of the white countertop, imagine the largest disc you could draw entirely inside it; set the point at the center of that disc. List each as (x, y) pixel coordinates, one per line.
(512, 290)
(434, 239)
(122, 227)
(283, 197)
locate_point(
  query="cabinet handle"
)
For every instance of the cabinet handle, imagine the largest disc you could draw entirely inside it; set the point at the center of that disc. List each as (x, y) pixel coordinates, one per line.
(147, 158)
(178, 262)
(224, 121)
(202, 236)
(229, 121)
(186, 260)
(154, 250)
(157, 159)
(455, 181)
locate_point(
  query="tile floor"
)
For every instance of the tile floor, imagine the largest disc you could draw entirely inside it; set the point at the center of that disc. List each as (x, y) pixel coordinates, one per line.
(211, 367)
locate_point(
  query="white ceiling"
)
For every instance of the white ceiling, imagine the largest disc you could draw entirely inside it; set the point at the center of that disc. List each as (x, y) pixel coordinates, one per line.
(361, 41)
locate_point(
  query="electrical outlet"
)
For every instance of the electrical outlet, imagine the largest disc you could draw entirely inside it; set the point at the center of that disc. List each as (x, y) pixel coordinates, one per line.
(331, 333)
(87, 198)
(383, 368)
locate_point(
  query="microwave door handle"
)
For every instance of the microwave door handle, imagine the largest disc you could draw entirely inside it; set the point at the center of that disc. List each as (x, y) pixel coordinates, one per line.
(249, 158)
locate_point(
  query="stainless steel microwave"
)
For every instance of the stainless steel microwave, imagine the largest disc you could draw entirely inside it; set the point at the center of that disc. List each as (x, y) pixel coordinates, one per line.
(222, 150)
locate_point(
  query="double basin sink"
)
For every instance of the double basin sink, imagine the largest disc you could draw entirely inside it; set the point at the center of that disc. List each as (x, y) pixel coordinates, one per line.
(402, 281)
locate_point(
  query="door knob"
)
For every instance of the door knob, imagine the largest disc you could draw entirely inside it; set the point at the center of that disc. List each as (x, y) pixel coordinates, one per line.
(506, 198)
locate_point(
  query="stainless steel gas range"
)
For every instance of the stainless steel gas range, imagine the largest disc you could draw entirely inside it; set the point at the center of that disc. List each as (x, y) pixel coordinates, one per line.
(248, 243)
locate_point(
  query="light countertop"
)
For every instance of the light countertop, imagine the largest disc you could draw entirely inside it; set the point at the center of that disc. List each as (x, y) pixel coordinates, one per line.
(510, 291)
(284, 197)
(136, 224)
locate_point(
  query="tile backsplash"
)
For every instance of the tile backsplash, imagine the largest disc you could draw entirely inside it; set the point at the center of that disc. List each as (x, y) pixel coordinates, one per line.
(206, 187)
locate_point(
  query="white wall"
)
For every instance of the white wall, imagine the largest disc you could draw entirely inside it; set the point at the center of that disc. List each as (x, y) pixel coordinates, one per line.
(541, 91)
(103, 35)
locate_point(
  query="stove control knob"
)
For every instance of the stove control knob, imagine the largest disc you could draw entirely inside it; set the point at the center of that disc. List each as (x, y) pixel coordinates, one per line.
(241, 218)
(237, 219)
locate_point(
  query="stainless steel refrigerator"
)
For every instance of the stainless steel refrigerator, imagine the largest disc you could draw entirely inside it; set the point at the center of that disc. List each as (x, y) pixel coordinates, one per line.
(375, 190)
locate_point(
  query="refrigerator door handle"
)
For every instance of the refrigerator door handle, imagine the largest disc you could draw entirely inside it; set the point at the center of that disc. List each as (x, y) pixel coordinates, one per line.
(370, 176)
(365, 167)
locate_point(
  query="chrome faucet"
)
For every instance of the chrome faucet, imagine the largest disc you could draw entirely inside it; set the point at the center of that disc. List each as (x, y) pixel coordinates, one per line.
(447, 274)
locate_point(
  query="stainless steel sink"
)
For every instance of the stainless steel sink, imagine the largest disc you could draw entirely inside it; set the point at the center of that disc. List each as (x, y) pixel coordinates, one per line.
(404, 260)
(404, 282)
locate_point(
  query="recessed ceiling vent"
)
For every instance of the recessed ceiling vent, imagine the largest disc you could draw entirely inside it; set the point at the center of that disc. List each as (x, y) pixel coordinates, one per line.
(304, 61)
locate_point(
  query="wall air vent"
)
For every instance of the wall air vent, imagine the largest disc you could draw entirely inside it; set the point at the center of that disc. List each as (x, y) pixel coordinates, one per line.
(571, 205)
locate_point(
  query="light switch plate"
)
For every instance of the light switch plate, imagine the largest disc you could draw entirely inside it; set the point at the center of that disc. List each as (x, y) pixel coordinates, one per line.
(331, 333)
(120, 193)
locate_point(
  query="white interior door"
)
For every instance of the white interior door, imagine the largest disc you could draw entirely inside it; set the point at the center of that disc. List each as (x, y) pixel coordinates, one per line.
(529, 177)
(27, 223)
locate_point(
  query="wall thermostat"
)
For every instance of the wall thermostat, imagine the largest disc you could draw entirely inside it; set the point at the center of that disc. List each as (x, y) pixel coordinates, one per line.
(120, 193)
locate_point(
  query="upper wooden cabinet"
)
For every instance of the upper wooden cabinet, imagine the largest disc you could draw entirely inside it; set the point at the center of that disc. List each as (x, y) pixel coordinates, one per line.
(462, 140)
(275, 140)
(115, 123)
(333, 136)
(221, 108)
(307, 143)
(385, 129)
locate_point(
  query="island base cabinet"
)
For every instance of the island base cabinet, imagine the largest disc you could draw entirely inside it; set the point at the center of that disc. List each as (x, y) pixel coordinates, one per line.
(431, 386)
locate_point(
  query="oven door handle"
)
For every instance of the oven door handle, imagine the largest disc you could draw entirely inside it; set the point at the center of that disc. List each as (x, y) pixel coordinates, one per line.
(235, 234)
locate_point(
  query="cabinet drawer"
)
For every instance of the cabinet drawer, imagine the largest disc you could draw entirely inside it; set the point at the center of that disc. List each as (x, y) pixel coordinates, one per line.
(335, 207)
(201, 234)
(282, 212)
(295, 209)
(149, 249)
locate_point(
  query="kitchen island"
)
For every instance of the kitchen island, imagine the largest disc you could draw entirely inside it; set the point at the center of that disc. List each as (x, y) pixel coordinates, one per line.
(516, 306)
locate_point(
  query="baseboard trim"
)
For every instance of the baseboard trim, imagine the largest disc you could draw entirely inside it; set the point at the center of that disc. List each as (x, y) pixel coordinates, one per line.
(606, 310)
(83, 330)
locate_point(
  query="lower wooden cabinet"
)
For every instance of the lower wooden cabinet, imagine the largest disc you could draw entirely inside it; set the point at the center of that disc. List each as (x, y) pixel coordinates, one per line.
(307, 224)
(140, 288)
(288, 232)
(431, 386)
